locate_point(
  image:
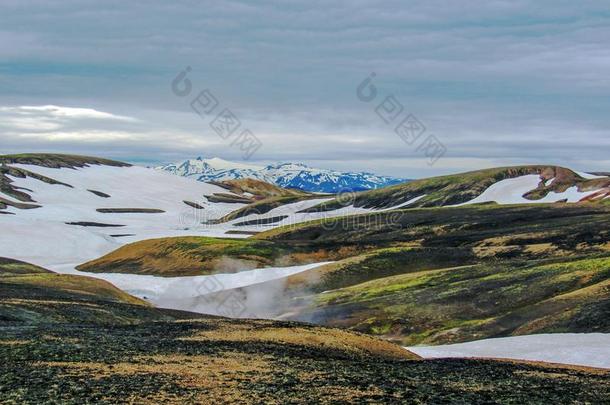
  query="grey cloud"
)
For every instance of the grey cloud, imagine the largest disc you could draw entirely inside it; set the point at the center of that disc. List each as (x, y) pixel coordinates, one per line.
(496, 81)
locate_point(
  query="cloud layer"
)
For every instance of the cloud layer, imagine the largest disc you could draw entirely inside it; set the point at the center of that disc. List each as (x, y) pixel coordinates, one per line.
(497, 82)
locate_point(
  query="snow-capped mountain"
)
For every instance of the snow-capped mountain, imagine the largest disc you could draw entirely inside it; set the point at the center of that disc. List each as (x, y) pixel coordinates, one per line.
(287, 175)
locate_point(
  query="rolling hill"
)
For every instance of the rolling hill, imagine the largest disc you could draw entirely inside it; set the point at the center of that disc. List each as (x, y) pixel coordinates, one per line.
(504, 185)
(33, 295)
(100, 205)
(413, 262)
(434, 275)
(164, 238)
(102, 346)
(411, 275)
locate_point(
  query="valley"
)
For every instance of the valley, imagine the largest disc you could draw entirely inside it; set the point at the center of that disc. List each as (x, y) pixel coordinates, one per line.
(79, 339)
(313, 283)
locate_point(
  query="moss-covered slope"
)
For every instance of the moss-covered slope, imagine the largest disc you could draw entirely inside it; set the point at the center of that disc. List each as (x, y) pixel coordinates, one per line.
(473, 302)
(463, 187)
(198, 255)
(32, 295)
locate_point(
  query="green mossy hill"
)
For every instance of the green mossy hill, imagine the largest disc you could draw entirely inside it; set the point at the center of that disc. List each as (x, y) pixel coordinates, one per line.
(200, 255)
(463, 187)
(473, 242)
(473, 302)
(32, 295)
(182, 256)
(10, 267)
(376, 264)
(559, 224)
(257, 189)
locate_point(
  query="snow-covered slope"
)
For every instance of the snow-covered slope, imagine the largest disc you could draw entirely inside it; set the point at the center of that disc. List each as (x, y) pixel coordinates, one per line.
(77, 218)
(292, 214)
(287, 175)
(73, 225)
(512, 191)
(89, 211)
(67, 227)
(585, 349)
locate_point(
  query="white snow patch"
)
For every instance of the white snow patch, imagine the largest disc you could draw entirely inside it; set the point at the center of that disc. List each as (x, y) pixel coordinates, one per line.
(41, 236)
(221, 164)
(589, 176)
(189, 293)
(511, 191)
(296, 217)
(584, 349)
(404, 204)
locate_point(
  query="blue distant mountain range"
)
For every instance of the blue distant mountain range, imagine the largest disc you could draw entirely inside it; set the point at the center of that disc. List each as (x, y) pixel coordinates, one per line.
(287, 175)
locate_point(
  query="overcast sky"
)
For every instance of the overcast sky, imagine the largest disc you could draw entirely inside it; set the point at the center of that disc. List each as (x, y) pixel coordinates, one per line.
(496, 82)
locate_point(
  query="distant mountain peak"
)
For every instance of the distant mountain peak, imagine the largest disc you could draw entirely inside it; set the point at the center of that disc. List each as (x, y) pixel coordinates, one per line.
(283, 174)
(290, 166)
